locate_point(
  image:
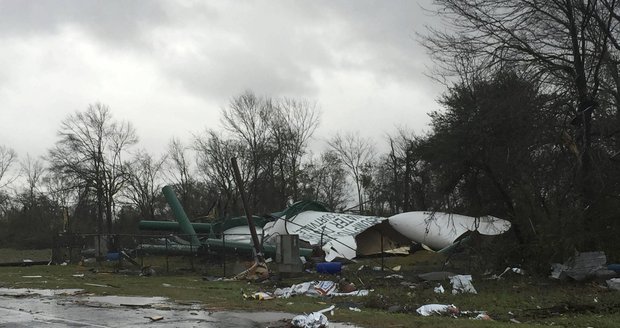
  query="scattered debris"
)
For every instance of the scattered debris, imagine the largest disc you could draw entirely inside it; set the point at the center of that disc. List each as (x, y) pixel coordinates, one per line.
(394, 276)
(155, 318)
(325, 287)
(430, 309)
(580, 267)
(462, 284)
(258, 271)
(312, 320)
(614, 284)
(439, 289)
(97, 285)
(318, 288)
(483, 316)
(130, 259)
(329, 267)
(436, 276)
(509, 269)
(147, 271)
(346, 287)
(261, 296)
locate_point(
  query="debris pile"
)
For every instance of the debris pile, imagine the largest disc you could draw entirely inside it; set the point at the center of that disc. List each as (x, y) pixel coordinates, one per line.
(582, 266)
(314, 289)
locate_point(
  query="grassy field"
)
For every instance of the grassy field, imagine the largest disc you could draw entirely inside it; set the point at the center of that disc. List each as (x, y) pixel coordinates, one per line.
(532, 301)
(8, 255)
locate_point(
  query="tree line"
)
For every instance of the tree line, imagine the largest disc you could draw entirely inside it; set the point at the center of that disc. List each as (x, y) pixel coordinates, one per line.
(96, 179)
(528, 132)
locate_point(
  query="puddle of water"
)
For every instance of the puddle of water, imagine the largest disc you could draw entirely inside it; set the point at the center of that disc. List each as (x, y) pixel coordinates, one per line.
(66, 308)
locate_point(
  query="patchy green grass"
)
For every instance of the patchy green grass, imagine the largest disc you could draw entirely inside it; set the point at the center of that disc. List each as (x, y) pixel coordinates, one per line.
(533, 301)
(9, 255)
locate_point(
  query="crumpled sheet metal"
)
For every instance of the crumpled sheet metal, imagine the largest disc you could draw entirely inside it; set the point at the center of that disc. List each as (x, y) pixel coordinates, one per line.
(334, 232)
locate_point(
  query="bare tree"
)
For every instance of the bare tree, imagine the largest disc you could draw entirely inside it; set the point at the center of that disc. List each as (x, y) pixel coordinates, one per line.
(33, 170)
(145, 183)
(213, 159)
(179, 168)
(248, 119)
(292, 124)
(90, 153)
(331, 180)
(355, 152)
(8, 157)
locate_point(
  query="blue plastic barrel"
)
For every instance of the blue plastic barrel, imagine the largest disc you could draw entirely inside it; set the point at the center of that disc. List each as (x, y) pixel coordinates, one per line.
(329, 267)
(113, 256)
(614, 267)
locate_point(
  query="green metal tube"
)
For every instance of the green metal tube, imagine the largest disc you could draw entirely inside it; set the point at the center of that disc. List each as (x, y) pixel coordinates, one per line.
(172, 226)
(179, 214)
(217, 245)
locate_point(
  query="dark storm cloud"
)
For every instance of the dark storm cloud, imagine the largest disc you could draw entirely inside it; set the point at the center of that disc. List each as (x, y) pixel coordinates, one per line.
(359, 60)
(387, 34)
(274, 47)
(269, 47)
(113, 21)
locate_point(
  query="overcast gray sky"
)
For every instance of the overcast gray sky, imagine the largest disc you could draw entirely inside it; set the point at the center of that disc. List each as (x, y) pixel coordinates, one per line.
(170, 66)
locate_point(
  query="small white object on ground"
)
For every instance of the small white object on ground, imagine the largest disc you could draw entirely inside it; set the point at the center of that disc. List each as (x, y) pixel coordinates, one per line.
(462, 284)
(312, 320)
(430, 309)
